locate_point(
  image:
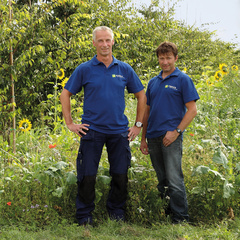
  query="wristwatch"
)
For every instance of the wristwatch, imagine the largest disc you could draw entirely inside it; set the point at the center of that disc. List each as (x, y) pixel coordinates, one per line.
(179, 130)
(138, 124)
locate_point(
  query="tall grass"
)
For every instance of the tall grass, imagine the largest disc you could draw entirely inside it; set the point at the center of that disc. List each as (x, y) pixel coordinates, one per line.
(38, 182)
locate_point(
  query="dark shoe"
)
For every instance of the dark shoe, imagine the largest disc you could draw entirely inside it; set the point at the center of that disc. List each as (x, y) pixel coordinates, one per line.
(85, 224)
(175, 222)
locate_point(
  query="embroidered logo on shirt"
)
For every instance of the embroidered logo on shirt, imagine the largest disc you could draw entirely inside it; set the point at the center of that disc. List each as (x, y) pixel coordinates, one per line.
(172, 87)
(114, 75)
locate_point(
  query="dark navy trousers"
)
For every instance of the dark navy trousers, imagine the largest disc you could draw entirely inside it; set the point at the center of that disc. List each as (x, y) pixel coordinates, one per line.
(89, 155)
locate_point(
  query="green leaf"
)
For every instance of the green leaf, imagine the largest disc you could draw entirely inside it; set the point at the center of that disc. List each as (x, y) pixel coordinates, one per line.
(71, 178)
(52, 169)
(8, 179)
(104, 179)
(238, 166)
(61, 165)
(228, 189)
(237, 180)
(202, 169)
(219, 157)
(50, 96)
(58, 192)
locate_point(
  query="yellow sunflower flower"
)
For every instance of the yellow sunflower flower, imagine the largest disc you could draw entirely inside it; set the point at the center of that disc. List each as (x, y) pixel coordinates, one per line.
(224, 68)
(60, 73)
(25, 125)
(234, 67)
(218, 75)
(63, 83)
(209, 82)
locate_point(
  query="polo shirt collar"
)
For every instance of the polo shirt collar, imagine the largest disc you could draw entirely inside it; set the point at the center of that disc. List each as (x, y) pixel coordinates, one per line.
(175, 74)
(96, 62)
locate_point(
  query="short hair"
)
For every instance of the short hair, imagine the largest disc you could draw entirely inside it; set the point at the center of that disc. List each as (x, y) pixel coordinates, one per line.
(102, 28)
(167, 47)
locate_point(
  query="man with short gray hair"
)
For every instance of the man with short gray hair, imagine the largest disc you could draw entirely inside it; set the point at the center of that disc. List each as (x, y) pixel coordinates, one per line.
(104, 79)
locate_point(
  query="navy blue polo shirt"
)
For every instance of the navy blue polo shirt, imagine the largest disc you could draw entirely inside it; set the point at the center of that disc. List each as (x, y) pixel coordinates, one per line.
(167, 98)
(104, 101)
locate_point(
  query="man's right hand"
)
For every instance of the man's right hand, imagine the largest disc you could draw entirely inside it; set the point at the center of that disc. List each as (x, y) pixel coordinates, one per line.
(78, 128)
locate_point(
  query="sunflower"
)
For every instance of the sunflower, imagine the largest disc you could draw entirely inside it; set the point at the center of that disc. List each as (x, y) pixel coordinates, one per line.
(218, 75)
(224, 68)
(60, 73)
(234, 67)
(25, 125)
(209, 82)
(64, 81)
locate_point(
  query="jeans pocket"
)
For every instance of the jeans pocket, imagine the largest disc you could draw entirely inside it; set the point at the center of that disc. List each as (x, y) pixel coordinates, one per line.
(125, 134)
(89, 136)
(80, 166)
(129, 156)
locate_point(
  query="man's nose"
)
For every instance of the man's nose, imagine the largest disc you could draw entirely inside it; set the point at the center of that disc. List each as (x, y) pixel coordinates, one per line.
(104, 43)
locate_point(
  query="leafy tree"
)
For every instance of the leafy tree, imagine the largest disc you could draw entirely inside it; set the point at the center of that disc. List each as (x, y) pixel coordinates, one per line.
(50, 35)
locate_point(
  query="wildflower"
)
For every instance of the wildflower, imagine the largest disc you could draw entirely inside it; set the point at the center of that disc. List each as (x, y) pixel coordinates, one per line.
(185, 70)
(140, 209)
(52, 145)
(191, 134)
(46, 206)
(36, 206)
(63, 83)
(224, 68)
(32, 206)
(218, 75)
(9, 203)
(60, 73)
(234, 67)
(25, 125)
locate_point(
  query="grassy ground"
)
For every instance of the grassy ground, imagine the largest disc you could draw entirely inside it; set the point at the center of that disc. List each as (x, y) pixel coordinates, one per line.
(110, 230)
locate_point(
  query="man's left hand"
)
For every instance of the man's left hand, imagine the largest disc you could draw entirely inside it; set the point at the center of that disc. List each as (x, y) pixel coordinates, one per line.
(170, 137)
(133, 132)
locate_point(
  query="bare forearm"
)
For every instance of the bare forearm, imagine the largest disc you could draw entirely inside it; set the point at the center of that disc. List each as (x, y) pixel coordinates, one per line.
(188, 117)
(66, 107)
(145, 122)
(140, 106)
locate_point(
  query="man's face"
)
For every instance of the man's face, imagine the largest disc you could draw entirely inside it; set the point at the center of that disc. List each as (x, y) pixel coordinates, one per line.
(167, 62)
(103, 43)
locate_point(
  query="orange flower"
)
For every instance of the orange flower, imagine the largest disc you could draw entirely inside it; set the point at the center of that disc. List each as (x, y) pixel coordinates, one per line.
(9, 203)
(191, 134)
(52, 145)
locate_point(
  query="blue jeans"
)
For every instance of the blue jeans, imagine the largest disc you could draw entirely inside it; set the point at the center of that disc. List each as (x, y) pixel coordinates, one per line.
(89, 155)
(167, 162)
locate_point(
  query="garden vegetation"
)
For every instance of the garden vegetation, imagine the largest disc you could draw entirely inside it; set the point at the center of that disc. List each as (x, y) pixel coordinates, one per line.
(48, 40)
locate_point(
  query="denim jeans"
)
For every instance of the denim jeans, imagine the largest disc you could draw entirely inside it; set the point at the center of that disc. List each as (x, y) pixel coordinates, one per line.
(167, 162)
(89, 155)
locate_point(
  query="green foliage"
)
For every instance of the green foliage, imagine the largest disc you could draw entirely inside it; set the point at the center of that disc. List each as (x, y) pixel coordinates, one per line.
(50, 35)
(38, 182)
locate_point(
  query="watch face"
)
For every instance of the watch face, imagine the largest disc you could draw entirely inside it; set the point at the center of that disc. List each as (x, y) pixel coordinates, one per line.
(138, 124)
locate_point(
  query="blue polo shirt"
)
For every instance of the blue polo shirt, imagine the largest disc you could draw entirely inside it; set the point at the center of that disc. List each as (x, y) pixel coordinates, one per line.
(167, 98)
(104, 101)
